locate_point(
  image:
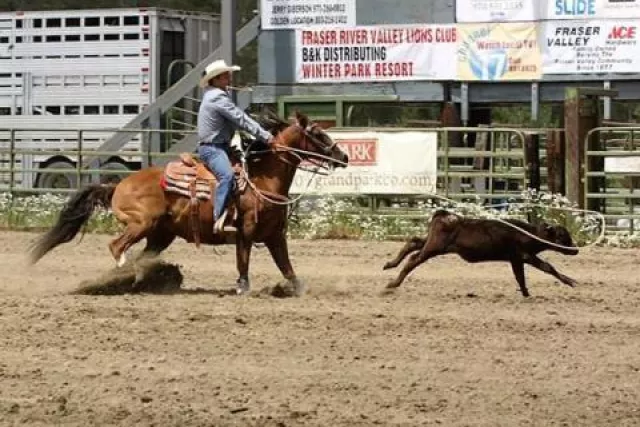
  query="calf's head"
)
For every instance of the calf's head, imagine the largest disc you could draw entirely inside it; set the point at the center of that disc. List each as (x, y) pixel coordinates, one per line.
(559, 235)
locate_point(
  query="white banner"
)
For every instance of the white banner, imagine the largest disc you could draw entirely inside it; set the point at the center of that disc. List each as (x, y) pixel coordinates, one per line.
(497, 10)
(376, 53)
(288, 14)
(379, 163)
(589, 9)
(585, 47)
(622, 164)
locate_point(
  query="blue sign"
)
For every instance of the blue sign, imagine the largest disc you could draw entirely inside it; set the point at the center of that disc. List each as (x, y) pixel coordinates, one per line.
(488, 65)
(575, 8)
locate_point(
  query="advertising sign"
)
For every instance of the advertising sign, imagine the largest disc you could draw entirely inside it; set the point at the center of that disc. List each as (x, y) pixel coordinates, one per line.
(498, 52)
(379, 163)
(579, 47)
(496, 10)
(288, 14)
(622, 164)
(590, 9)
(376, 53)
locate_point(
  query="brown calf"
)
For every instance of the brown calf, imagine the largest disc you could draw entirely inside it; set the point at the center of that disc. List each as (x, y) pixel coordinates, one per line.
(480, 240)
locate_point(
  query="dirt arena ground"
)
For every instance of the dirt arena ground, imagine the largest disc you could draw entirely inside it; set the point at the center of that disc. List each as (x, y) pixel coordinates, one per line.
(456, 345)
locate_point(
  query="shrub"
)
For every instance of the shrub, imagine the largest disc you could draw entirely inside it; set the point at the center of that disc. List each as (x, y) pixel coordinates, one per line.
(345, 218)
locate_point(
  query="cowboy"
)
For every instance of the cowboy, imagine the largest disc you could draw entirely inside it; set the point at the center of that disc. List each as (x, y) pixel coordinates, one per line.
(218, 119)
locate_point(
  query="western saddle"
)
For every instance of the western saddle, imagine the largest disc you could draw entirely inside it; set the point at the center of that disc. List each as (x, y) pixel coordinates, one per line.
(193, 179)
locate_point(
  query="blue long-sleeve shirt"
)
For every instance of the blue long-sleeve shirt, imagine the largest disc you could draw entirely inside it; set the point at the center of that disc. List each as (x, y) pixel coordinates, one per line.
(219, 118)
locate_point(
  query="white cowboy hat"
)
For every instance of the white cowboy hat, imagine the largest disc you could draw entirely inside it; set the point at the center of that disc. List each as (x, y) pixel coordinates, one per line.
(215, 69)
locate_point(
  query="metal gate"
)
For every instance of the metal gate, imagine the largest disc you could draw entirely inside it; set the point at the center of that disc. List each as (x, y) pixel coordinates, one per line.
(612, 175)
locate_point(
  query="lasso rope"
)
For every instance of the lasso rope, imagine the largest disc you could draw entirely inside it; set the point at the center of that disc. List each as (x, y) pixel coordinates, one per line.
(296, 152)
(533, 236)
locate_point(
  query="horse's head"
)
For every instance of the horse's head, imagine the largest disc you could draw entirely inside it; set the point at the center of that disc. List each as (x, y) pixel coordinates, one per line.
(311, 142)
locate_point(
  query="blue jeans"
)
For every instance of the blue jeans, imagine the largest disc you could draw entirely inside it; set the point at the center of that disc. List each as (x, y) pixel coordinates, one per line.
(215, 156)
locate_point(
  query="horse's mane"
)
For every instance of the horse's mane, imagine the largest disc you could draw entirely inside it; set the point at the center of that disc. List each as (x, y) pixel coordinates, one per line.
(270, 121)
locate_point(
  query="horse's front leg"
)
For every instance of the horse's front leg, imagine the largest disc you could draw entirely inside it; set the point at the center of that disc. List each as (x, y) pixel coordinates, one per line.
(279, 250)
(243, 253)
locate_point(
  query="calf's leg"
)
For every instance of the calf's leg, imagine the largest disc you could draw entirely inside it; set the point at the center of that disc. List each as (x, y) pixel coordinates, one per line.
(518, 270)
(414, 244)
(429, 250)
(549, 269)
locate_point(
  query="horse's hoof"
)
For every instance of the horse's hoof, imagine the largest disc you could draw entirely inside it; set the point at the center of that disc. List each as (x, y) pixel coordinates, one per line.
(122, 260)
(298, 288)
(387, 291)
(387, 266)
(288, 289)
(242, 287)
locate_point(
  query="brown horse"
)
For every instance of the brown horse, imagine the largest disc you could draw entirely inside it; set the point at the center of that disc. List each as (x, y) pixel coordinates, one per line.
(149, 211)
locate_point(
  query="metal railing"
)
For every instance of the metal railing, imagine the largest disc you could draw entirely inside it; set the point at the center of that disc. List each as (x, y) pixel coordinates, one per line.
(13, 145)
(182, 115)
(500, 163)
(494, 168)
(612, 175)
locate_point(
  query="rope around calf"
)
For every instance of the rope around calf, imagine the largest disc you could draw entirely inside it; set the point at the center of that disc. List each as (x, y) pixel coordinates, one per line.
(533, 236)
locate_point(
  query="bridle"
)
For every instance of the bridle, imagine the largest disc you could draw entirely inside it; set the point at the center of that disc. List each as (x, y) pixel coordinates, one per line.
(319, 161)
(309, 151)
(322, 160)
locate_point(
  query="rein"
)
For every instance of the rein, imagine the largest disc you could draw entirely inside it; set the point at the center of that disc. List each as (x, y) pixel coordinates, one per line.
(296, 152)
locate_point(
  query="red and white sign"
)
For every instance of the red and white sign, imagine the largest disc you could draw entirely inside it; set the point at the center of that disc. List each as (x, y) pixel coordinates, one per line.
(376, 53)
(362, 152)
(380, 162)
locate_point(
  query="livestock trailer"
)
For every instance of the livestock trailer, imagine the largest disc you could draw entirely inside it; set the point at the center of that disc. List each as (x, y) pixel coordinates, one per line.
(88, 69)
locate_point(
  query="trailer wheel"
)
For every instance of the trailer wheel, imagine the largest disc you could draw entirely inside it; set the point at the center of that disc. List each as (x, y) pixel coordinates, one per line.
(55, 180)
(112, 178)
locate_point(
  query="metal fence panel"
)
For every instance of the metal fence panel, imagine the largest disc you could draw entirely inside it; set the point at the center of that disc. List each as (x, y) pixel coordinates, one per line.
(485, 163)
(612, 176)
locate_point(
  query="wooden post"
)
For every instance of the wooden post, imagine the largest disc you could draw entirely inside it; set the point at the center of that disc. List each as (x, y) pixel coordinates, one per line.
(555, 162)
(574, 135)
(532, 160)
(449, 118)
(581, 114)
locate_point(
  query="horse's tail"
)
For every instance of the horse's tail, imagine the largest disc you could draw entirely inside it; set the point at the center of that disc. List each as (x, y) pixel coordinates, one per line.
(73, 216)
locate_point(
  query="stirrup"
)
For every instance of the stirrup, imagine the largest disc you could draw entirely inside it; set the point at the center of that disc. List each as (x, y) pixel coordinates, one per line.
(219, 226)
